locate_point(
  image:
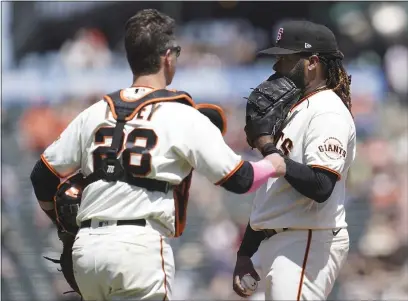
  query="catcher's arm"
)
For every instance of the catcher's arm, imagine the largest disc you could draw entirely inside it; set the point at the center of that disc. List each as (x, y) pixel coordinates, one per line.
(45, 184)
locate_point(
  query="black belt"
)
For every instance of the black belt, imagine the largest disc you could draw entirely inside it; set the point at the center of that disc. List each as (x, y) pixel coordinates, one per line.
(271, 232)
(132, 222)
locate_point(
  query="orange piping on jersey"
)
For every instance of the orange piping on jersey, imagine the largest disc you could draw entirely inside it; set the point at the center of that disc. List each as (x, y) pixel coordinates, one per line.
(164, 271)
(136, 99)
(219, 110)
(302, 275)
(50, 167)
(62, 182)
(328, 169)
(163, 99)
(230, 173)
(304, 98)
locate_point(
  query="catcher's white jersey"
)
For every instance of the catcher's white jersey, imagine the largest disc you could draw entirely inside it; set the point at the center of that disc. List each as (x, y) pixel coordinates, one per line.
(319, 131)
(180, 139)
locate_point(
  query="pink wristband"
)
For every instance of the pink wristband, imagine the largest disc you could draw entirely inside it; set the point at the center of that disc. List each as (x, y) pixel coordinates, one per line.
(263, 170)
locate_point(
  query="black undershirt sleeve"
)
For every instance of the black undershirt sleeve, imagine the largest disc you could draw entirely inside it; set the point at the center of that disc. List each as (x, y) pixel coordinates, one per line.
(45, 185)
(241, 181)
(44, 182)
(250, 242)
(313, 182)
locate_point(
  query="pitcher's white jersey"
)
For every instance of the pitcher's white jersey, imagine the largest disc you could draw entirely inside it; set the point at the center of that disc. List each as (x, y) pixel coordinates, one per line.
(319, 132)
(164, 141)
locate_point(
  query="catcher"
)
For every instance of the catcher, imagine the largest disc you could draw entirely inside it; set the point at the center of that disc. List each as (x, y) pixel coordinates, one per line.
(68, 199)
(303, 114)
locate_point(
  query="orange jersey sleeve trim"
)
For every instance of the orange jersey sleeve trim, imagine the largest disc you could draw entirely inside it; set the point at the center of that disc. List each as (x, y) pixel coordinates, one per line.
(50, 167)
(220, 182)
(328, 169)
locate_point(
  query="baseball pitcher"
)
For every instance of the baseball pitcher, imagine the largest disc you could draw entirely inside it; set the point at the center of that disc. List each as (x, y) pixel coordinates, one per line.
(297, 224)
(135, 150)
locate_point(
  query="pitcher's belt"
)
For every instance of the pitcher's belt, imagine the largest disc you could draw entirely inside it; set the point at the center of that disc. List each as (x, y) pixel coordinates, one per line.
(271, 232)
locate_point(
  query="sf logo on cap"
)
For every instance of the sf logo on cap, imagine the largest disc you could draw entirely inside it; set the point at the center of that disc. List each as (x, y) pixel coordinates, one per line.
(280, 32)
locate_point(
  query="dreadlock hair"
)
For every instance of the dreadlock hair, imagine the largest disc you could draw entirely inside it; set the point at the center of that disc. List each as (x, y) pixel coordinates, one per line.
(337, 78)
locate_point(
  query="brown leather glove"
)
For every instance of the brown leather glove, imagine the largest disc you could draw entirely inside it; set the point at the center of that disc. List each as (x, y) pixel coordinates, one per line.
(243, 267)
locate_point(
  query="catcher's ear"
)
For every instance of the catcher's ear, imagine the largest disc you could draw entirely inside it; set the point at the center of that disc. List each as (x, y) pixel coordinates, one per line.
(215, 114)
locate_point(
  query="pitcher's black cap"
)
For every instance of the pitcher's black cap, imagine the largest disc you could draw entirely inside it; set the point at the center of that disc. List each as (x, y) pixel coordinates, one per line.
(302, 36)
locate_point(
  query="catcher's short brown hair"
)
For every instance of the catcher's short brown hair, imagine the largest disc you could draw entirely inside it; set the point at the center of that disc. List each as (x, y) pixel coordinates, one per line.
(148, 34)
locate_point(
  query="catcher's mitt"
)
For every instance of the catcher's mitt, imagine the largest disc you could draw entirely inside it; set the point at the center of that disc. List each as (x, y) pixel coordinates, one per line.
(66, 204)
(267, 107)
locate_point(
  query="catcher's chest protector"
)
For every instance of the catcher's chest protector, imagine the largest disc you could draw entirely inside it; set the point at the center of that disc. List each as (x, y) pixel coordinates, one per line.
(124, 110)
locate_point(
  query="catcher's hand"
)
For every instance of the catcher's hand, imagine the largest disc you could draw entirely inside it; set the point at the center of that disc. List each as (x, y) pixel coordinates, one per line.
(268, 106)
(65, 260)
(243, 267)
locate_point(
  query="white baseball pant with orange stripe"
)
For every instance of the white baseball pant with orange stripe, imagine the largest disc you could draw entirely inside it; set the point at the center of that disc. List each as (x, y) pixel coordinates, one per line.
(123, 263)
(302, 264)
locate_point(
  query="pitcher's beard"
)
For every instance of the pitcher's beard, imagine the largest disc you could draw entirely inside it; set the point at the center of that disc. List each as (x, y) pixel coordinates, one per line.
(297, 75)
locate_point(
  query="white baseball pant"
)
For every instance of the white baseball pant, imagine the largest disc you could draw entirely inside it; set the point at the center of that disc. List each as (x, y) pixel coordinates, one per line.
(302, 264)
(123, 262)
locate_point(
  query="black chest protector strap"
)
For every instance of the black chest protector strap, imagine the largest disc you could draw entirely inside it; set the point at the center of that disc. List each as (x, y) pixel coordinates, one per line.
(123, 110)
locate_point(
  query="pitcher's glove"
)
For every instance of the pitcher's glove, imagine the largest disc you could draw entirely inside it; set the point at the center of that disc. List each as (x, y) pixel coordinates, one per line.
(65, 261)
(267, 107)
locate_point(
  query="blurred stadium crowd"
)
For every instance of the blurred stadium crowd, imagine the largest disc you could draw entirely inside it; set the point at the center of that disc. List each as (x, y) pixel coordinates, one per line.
(41, 97)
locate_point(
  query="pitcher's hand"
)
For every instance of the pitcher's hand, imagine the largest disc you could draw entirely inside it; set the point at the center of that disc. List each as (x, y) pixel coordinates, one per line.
(243, 266)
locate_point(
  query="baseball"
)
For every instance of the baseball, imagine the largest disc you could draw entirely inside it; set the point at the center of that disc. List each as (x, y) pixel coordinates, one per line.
(249, 284)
